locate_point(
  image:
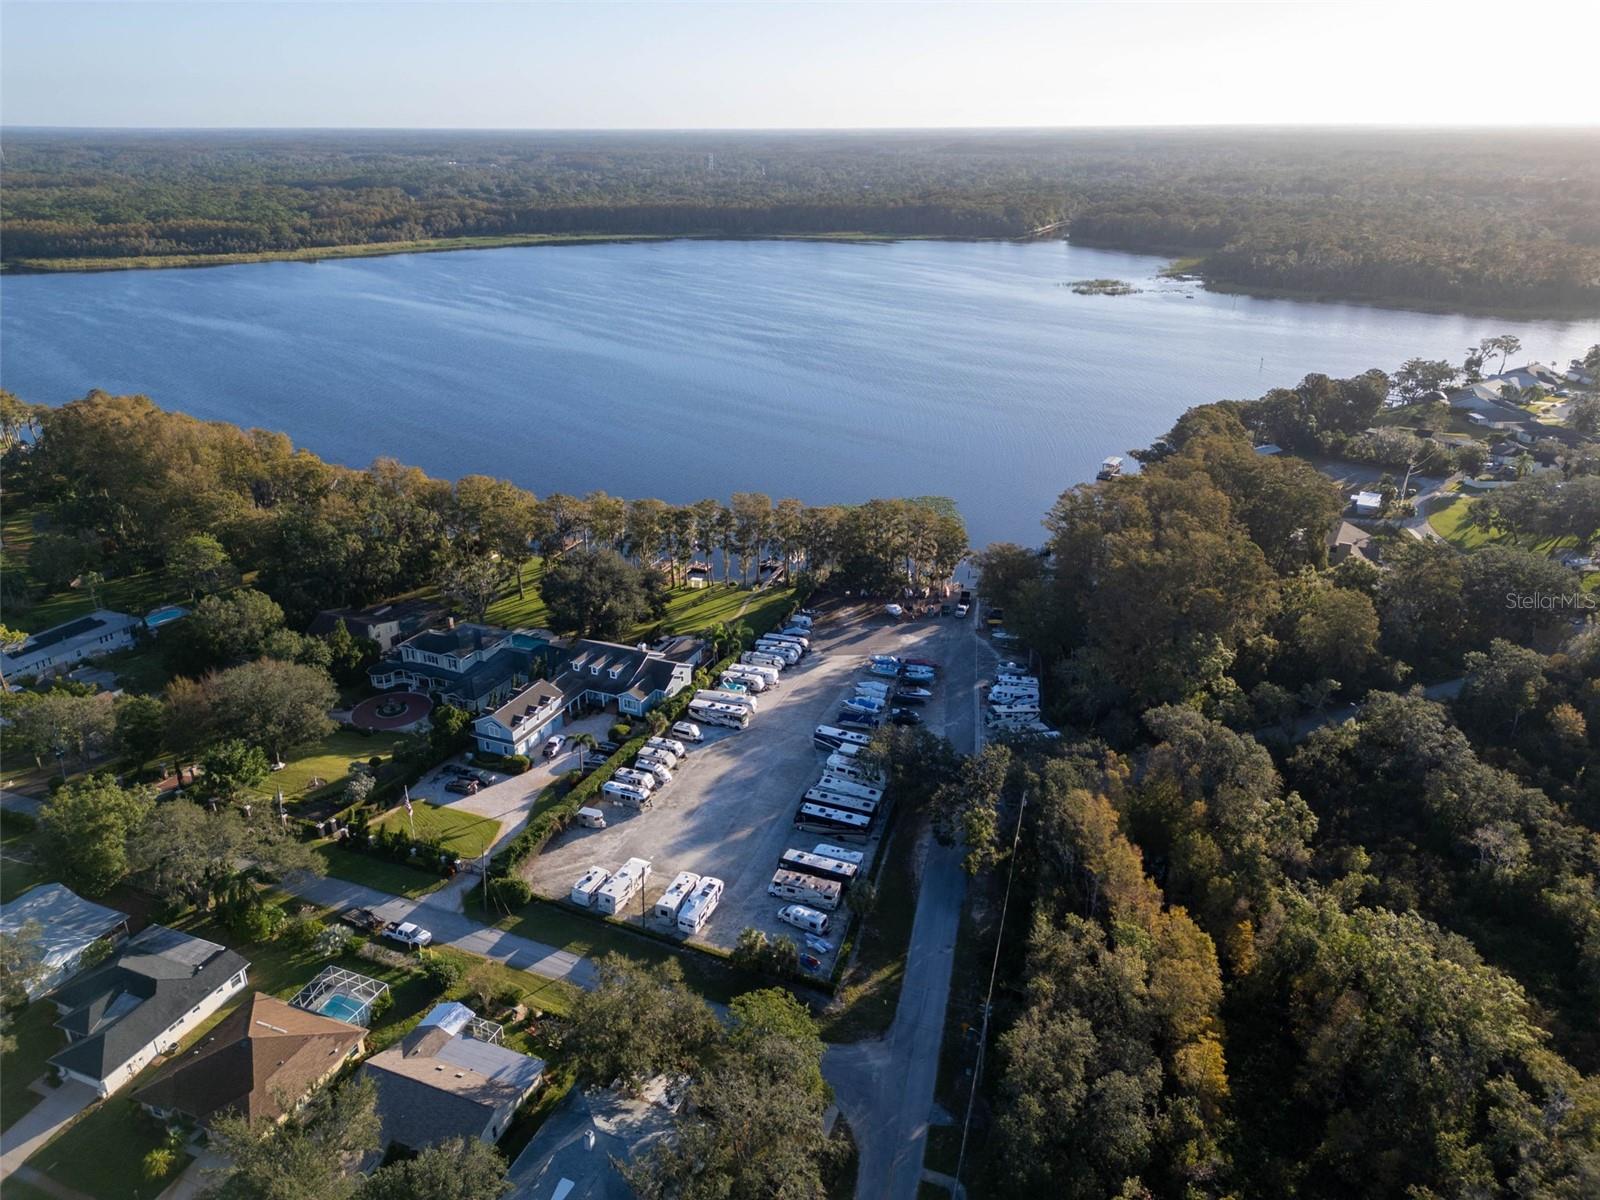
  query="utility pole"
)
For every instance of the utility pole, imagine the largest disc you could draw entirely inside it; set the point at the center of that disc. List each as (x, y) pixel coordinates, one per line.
(988, 1000)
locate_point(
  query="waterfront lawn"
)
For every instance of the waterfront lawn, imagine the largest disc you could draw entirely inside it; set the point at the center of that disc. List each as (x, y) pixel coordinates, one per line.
(466, 834)
(512, 611)
(691, 610)
(374, 872)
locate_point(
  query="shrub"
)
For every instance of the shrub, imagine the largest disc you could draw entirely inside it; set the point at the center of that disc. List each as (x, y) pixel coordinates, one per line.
(257, 922)
(331, 941)
(158, 1164)
(442, 973)
(619, 732)
(509, 892)
(382, 1004)
(303, 932)
(507, 997)
(515, 764)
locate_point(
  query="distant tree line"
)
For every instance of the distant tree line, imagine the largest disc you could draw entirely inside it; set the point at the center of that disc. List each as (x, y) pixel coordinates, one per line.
(1466, 218)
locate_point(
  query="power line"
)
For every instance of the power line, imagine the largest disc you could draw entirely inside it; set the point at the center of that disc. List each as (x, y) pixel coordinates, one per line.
(988, 1001)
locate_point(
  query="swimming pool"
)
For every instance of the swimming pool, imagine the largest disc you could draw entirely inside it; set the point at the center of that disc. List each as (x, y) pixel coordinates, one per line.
(343, 1008)
(165, 615)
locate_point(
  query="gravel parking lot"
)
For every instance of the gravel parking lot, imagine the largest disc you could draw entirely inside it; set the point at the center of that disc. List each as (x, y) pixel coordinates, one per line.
(729, 810)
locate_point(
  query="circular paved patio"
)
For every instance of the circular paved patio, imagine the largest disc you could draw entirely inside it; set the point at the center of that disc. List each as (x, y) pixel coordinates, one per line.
(415, 706)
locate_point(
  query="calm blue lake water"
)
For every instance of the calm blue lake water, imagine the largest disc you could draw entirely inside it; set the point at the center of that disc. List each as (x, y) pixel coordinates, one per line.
(831, 372)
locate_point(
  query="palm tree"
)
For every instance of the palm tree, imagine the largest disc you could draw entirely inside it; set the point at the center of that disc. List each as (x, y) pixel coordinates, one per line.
(581, 743)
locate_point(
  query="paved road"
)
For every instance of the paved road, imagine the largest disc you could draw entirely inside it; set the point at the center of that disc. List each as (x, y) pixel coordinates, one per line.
(885, 1087)
(452, 928)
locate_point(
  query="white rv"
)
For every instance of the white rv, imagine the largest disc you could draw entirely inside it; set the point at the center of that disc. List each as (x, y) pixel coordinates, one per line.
(848, 787)
(801, 917)
(807, 863)
(719, 714)
(688, 731)
(1023, 709)
(785, 650)
(821, 796)
(626, 793)
(628, 882)
(675, 748)
(583, 891)
(798, 641)
(854, 856)
(738, 699)
(758, 658)
(679, 890)
(644, 781)
(807, 889)
(847, 766)
(770, 674)
(697, 909)
(834, 739)
(653, 767)
(835, 822)
(753, 683)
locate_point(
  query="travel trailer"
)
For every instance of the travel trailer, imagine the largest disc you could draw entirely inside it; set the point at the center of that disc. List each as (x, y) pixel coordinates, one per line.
(807, 863)
(738, 699)
(697, 909)
(679, 890)
(626, 793)
(642, 780)
(591, 818)
(801, 917)
(848, 787)
(628, 882)
(852, 856)
(588, 884)
(845, 766)
(807, 889)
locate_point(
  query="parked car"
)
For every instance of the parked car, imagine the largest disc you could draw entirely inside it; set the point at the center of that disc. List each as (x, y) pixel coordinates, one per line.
(364, 919)
(609, 747)
(458, 769)
(553, 746)
(894, 610)
(463, 787)
(905, 716)
(963, 609)
(811, 962)
(409, 933)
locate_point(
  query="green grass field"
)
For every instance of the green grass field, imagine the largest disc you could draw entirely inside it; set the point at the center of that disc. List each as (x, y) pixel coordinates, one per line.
(328, 759)
(1450, 522)
(380, 873)
(37, 1039)
(102, 1153)
(522, 612)
(464, 833)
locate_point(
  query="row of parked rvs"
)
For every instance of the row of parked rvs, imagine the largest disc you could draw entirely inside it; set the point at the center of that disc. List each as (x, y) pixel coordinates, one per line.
(652, 768)
(689, 901)
(1014, 702)
(610, 893)
(733, 704)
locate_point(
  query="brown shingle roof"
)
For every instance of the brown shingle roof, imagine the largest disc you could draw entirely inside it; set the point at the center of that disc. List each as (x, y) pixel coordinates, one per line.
(258, 1063)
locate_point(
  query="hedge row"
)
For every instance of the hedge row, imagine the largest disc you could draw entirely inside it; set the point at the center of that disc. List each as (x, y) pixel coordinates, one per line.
(558, 816)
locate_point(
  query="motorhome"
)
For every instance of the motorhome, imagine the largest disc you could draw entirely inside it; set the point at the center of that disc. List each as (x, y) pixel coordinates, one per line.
(591, 818)
(583, 891)
(643, 780)
(835, 822)
(1016, 680)
(1013, 696)
(628, 882)
(653, 767)
(848, 787)
(851, 856)
(772, 675)
(679, 890)
(807, 863)
(1021, 709)
(798, 640)
(648, 758)
(807, 889)
(739, 699)
(821, 796)
(850, 750)
(845, 766)
(759, 658)
(667, 746)
(790, 654)
(801, 917)
(697, 909)
(734, 680)
(831, 737)
(718, 714)
(626, 793)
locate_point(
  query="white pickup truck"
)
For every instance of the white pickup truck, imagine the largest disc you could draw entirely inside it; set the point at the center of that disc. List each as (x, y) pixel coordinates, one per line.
(409, 933)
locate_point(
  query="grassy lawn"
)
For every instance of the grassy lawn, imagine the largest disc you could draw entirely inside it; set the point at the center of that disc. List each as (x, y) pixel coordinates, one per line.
(328, 760)
(870, 990)
(467, 834)
(18, 872)
(142, 669)
(1450, 522)
(37, 1039)
(690, 610)
(522, 612)
(392, 877)
(102, 1154)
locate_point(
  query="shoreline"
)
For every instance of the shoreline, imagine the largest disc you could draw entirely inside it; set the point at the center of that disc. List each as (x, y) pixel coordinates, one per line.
(1181, 265)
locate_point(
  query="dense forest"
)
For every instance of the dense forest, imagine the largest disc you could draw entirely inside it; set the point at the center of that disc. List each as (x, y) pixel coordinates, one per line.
(1261, 946)
(1475, 219)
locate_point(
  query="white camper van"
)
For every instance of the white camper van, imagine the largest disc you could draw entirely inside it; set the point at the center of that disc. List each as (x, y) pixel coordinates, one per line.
(697, 909)
(628, 882)
(688, 731)
(801, 917)
(588, 884)
(679, 890)
(591, 818)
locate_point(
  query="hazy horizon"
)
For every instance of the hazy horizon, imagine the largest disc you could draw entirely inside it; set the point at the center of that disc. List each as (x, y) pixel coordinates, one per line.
(829, 67)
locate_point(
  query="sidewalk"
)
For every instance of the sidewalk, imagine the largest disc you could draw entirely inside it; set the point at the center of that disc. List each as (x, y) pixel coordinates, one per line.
(41, 1122)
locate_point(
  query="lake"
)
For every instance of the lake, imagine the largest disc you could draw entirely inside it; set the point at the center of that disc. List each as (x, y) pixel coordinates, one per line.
(833, 372)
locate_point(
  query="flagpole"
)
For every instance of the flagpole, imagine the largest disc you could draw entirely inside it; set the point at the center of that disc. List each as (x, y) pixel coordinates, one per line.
(411, 823)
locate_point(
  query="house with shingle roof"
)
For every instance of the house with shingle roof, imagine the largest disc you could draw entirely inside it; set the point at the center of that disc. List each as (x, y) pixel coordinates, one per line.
(260, 1063)
(140, 1004)
(100, 632)
(474, 667)
(448, 1078)
(604, 675)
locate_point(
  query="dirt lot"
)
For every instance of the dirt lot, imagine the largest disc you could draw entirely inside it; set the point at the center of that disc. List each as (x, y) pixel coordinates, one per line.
(729, 809)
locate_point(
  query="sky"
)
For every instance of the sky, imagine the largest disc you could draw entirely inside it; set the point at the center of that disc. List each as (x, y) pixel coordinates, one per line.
(655, 65)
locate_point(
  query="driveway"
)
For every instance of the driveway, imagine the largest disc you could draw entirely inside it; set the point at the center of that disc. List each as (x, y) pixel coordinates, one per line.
(451, 928)
(885, 1086)
(40, 1124)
